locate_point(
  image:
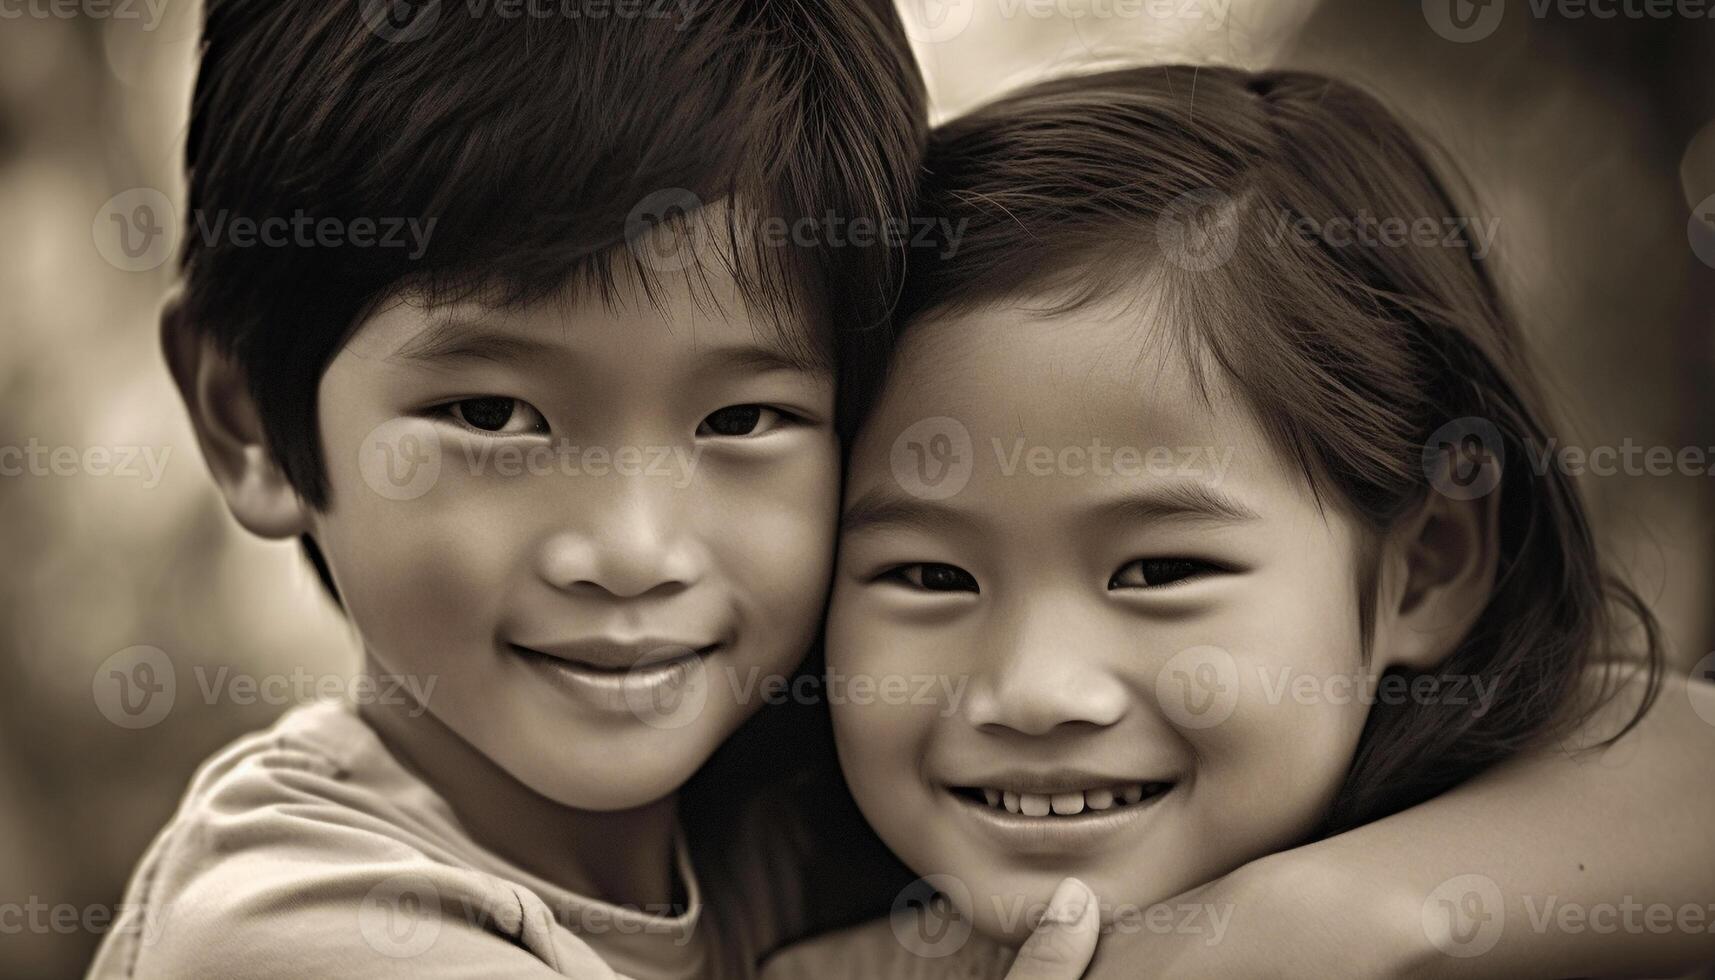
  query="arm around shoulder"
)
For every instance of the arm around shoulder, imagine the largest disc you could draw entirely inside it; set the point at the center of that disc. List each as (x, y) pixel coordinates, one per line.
(1560, 862)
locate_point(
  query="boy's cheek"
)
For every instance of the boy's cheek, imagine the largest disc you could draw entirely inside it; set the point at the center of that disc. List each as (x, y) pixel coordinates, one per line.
(418, 598)
(788, 507)
(436, 565)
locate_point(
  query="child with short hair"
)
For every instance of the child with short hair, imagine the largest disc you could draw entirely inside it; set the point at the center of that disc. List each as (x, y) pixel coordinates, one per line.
(567, 460)
(1342, 594)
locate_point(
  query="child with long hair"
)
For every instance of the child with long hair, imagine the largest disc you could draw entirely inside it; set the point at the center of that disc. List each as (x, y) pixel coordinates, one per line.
(1203, 465)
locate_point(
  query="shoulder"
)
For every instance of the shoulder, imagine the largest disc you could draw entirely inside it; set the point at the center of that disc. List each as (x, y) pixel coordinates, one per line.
(876, 949)
(317, 779)
(291, 855)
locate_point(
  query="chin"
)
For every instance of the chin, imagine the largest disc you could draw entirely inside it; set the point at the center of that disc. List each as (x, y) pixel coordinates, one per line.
(1007, 907)
(597, 790)
(622, 764)
(618, 775)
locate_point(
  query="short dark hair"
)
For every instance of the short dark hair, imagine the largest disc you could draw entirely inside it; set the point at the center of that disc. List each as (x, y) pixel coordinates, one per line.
(529, 140)
(1351, 355)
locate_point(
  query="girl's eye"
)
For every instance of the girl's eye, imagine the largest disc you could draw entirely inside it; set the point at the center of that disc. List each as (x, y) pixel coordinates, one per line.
(1146, 573)
(740, 420)
(932, 576)
(502, 416)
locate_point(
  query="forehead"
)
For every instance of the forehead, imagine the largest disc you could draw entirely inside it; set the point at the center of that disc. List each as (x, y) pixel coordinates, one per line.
(1087, 404)
(645, 315)
(1108, 368)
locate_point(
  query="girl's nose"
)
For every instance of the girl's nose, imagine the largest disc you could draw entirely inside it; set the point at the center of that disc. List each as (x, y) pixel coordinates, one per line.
(1038, 674)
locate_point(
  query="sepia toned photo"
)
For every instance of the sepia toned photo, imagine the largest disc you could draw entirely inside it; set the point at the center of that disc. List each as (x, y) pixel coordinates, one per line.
(849, 489)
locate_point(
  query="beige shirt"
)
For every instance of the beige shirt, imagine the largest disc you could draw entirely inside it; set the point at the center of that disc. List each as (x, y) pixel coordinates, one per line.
(307, 850)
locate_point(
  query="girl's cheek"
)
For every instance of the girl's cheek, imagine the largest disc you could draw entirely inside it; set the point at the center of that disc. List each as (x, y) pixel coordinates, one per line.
(880, 665)
(844, 638)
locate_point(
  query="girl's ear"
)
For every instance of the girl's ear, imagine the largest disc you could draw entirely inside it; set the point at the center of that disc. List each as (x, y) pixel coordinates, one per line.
(1438, 573)
(229, 431)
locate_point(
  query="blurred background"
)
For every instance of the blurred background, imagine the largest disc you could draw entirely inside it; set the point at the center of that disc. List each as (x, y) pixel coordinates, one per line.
(1591, 138)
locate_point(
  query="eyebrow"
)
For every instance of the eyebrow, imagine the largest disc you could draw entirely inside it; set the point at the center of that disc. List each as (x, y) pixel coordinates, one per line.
(882, 509)
(1184, 501)
(1199, 503)
(763, 356)
(458, 339)
(468, 340)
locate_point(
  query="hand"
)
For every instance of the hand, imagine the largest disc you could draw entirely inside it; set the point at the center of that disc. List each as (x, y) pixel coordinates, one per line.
(1064, 940)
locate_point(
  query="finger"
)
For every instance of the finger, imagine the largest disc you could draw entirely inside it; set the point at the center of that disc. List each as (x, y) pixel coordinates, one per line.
(1064, 940)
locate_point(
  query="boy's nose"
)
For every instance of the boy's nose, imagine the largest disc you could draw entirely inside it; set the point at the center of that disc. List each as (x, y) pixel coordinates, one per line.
(630, 548)
(1038, 674)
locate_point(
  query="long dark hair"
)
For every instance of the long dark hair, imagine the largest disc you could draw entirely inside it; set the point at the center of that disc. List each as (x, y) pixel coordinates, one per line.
(1222, 187)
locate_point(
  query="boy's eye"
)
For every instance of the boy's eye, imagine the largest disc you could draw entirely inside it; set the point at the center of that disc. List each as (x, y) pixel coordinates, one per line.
(740, 420)
(933, 576)
(502, 416)
(1148, 573)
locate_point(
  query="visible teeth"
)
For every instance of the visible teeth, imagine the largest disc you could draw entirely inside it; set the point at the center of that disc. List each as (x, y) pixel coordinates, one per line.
(1033, 804)
(1068, 803)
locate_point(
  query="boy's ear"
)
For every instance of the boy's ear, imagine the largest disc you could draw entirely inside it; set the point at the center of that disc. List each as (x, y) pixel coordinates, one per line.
(1438, 574)
(229, 430)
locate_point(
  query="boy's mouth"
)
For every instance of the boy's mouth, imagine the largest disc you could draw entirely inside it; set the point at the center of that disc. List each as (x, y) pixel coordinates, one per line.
(605, 656)
(645, 681)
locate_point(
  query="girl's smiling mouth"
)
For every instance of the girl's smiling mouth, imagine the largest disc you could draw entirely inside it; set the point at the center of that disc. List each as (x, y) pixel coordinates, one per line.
(1068, 803)
(1058, 815)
